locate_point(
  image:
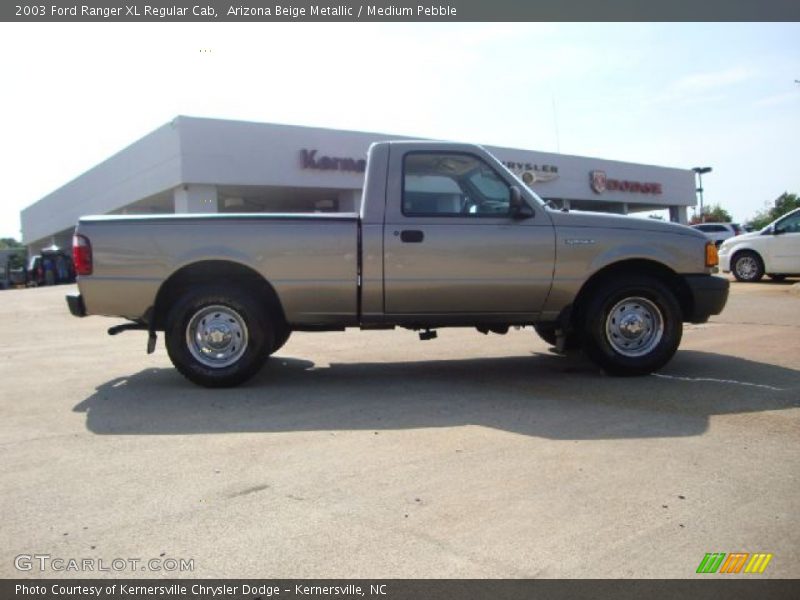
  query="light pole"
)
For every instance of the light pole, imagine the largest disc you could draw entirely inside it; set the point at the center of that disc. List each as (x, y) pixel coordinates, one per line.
(700, 171)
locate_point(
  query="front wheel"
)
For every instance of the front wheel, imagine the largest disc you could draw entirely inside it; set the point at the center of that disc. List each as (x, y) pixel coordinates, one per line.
(218, 336)
(282, 334)
(632, 328)
(747, 266)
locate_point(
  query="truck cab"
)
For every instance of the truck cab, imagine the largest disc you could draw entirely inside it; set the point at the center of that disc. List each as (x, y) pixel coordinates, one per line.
(461, 237)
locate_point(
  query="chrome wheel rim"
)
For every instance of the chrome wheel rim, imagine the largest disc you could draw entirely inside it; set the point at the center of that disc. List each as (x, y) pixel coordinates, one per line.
(746, 267)
(634, 326)
(216, 336)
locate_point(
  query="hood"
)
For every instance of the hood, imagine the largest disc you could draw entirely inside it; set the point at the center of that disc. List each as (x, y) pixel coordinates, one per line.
(746, 236)
(742, 237)
(609, 221)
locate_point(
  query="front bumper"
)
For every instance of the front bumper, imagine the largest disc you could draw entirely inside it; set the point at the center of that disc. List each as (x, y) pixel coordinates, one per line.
(709, 295)
(76, 305)
(725, 261)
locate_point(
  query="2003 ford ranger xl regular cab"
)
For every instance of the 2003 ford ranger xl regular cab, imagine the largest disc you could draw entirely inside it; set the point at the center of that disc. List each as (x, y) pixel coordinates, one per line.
(446, 237)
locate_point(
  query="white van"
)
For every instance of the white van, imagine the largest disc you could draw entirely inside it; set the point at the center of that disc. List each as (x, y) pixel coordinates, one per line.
(775, 250)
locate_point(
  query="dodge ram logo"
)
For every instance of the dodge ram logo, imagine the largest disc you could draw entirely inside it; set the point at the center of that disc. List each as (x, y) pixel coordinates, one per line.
(598, 181)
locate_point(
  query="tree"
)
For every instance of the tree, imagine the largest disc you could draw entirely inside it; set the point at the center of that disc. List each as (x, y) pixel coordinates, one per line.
(6, 243)
(713, 214)
(783, 204)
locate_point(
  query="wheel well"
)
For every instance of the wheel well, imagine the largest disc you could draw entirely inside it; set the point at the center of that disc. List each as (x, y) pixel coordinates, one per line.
(746, 251)
(217, 271)
(634, 267)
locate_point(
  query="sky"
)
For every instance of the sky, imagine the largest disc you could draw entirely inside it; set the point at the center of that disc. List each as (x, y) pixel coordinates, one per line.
(678, 95)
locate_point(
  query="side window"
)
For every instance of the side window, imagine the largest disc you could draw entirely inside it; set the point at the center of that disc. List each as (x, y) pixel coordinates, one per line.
(790, 224)
(446, 185)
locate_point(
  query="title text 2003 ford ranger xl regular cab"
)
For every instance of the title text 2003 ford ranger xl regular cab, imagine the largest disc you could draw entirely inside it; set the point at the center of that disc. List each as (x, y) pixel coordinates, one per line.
(447, 236)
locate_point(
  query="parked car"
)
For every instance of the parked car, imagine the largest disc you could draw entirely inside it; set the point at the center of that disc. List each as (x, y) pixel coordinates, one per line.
(719, 232)
(775, 250)
(50, 267)
(18, 277)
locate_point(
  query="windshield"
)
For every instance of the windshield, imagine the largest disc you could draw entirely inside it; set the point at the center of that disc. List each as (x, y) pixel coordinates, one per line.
(771, 227)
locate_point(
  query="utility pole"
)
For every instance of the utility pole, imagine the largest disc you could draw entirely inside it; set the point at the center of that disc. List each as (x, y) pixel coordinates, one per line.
(700, 171)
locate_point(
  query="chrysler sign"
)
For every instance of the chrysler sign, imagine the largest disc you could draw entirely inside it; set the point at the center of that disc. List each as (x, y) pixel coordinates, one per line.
(531, 173)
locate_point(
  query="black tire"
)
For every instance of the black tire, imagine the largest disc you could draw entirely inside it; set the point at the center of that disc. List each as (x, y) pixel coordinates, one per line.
(547, 331)
(776, 277)
(282, 334)
(613, 315)
(747, 266)
(239, 336)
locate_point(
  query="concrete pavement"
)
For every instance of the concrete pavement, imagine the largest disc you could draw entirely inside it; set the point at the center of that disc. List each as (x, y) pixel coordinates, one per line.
(372, 454)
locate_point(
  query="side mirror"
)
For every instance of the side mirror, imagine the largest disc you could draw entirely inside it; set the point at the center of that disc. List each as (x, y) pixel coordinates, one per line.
(519, 208)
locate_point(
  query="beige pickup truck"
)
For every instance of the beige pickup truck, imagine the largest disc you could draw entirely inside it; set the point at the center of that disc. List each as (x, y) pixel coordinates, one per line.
(446, 237)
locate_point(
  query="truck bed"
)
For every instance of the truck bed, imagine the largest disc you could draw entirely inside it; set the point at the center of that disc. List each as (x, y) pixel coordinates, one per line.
(310, 259)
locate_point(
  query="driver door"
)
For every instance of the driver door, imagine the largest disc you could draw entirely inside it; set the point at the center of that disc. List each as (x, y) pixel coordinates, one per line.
(784, 247)
(452, 246)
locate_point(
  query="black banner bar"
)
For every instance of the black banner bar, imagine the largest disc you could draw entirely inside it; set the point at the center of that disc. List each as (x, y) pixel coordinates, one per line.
(712, 588)
(421, 10)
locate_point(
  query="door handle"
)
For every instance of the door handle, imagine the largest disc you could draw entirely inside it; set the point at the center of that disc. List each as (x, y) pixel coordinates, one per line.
(411, 236)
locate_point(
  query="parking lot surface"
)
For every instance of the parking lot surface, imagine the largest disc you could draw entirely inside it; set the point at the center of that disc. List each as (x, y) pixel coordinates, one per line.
(372, 454)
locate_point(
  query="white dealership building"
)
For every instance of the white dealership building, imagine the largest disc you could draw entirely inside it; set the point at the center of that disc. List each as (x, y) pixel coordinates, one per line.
(193, 165)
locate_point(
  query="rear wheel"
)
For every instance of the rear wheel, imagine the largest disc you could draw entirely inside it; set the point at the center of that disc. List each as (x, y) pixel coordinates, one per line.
(747, 266)
(218, 336)
(632, 327)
